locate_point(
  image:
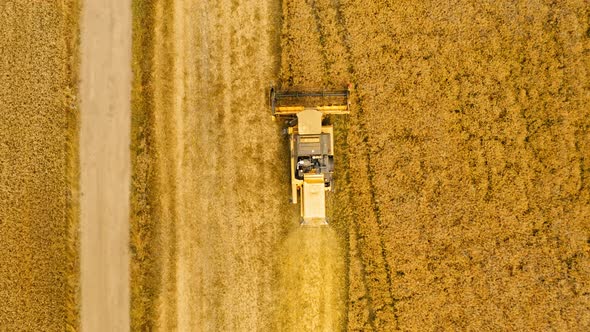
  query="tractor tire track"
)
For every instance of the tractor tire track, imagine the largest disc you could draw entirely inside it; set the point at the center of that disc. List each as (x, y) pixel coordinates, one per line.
(389, 302)
(331, 37)
(333, 47)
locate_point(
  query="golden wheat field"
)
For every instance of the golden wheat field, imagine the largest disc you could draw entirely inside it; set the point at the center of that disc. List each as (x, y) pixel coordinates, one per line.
(462, 179)
(463, 200)
(466, 174)
(38, 166)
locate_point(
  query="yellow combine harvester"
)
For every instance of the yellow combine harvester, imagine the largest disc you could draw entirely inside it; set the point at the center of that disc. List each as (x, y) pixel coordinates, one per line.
(311, 139)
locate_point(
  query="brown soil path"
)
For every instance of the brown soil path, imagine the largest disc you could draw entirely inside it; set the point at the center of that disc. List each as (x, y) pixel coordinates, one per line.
(105, 164)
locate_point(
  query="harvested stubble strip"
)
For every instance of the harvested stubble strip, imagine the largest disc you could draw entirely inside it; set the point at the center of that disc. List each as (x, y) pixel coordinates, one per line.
(39, 214)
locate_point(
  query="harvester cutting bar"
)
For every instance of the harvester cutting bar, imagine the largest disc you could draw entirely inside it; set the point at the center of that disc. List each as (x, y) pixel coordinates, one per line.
(315, 99)
(301, 94)
(292, 110)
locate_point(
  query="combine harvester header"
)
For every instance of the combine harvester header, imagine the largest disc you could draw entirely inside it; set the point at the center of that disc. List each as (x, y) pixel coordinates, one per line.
(311, 140)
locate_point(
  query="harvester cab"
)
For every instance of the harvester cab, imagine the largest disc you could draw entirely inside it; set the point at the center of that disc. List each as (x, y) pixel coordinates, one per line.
(311, 140)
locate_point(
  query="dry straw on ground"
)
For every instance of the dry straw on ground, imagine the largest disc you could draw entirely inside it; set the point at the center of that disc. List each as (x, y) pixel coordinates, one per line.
(39, 265)
(212, 227)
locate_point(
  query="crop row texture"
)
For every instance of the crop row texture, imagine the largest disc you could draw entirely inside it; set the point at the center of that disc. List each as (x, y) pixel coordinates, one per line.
(465, 161)
(39, 267)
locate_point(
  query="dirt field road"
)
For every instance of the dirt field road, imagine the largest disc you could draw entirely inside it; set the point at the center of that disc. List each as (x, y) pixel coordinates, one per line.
(105, 164)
